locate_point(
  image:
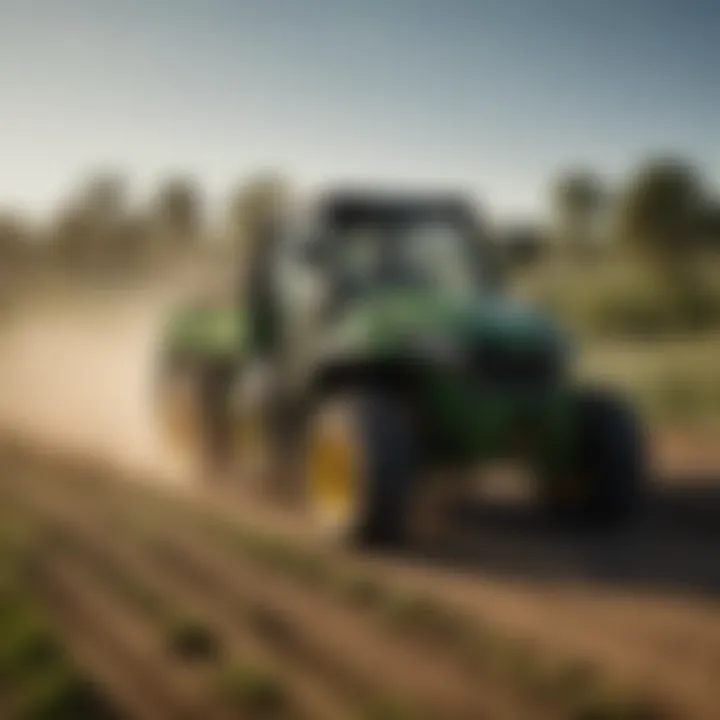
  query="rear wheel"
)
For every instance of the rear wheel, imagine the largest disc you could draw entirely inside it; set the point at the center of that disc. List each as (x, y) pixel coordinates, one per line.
(193, 404)
(176, 406)
(216, 441)
(361, 462)
(262, 453)
(605, 481)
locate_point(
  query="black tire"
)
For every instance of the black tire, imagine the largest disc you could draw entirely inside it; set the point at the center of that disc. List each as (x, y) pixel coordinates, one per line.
(192, 401)
(608, 472)
(175, 400)
(215, 380)
(388, 467)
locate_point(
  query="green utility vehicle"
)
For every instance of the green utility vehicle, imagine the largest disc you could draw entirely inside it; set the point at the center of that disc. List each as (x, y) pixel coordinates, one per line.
(373, 353)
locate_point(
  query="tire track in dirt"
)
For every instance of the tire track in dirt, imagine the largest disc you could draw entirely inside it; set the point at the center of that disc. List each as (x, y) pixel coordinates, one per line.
(665, 640)
(120, 649)
(320, 637)
(104, 540)
(342, 643)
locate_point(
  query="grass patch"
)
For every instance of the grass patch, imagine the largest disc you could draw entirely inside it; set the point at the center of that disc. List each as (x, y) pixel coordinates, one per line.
(142, 597)
(192, 639)
(360, 591)
(255, 690)
(35, 670)
(284, 557)
(574, 688)
(624, 299)
(606, 704)
(62, 695)
(27, 647)
(572, 680)
(419, 615)
(571, 688)
(684, 397)
(387, 709)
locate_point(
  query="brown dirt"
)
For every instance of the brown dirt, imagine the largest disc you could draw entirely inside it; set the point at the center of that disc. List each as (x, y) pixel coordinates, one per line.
(644, 605)
(102, 539)
(331, 659)
(122, 650)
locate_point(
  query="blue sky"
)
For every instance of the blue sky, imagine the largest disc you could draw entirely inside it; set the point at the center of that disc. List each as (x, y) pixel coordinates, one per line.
(494, 95)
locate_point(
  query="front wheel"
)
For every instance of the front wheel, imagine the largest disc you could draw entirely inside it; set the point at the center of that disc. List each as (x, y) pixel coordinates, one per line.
(604, 483)
(361, 462)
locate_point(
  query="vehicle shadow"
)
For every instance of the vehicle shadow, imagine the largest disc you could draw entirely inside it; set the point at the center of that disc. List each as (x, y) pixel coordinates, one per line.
(673, 546)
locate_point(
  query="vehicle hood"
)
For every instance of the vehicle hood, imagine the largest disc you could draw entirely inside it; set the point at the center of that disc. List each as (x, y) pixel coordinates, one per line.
(412, 323)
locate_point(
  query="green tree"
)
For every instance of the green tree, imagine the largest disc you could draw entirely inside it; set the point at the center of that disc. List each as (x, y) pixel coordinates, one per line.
(255, 201)
(711, 226)
(71, 237)
(103, 203)
(523, 245)
(661, 210)
(15, 240)
(179, 210)
(83, 233)
(660, 217)
(104, 199)
(131, 242)
(577, 199)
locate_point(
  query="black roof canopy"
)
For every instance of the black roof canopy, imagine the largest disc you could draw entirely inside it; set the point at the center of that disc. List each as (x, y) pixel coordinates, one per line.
(343, 208)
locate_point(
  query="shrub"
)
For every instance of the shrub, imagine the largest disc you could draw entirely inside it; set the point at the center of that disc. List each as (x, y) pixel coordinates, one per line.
(422, 616)
(26, 647)
(387, 709)
(62, 695)
(360, 590)
(254, 689)
(192, 639)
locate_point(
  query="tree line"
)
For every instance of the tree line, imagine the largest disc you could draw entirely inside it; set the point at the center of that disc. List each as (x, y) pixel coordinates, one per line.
(665, 209)
(100, 227)
(666, 212)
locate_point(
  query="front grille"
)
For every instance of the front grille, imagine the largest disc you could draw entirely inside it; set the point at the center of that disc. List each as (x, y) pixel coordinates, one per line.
(516, 366)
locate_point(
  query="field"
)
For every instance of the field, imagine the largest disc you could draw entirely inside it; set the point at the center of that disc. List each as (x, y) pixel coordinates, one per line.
(379, 241)
(131, 591)
(174, 610)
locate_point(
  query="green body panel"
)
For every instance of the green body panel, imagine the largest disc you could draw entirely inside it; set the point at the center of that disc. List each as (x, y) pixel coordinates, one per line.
(470, 423)
(467, 420)
(385, 325)
(206, 331)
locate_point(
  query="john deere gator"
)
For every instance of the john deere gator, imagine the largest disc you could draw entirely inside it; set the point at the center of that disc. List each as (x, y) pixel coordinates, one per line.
(374, 349)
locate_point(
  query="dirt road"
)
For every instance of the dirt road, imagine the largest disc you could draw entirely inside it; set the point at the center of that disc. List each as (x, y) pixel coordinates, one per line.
(78, 373)
(644, 606)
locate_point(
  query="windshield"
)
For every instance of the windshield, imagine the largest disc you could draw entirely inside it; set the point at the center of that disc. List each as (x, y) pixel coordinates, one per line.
(431, 255)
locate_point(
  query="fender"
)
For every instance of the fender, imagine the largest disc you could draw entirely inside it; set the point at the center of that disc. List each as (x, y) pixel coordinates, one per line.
(201, 332)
